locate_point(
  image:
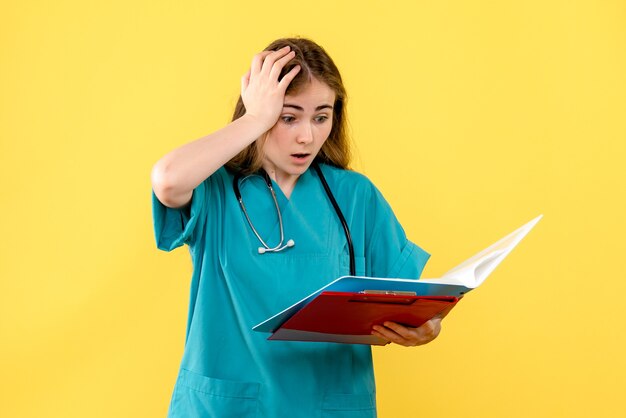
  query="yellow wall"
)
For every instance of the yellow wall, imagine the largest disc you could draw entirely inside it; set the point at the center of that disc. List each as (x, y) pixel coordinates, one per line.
(472, 117)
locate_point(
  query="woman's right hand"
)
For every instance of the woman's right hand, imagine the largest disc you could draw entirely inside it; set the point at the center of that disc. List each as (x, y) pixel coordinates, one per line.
(262, 94)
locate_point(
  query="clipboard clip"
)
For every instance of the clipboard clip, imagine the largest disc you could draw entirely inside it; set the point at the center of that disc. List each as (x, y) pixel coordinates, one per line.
(388, 292)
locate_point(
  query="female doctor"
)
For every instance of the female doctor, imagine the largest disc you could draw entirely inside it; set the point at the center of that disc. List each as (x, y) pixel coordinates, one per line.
(271, 213)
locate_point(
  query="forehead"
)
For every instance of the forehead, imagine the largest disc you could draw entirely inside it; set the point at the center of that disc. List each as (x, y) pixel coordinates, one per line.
(311, 95)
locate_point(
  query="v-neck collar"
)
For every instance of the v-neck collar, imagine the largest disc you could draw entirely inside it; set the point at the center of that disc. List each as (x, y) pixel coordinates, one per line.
(301, 182)
(304, 210)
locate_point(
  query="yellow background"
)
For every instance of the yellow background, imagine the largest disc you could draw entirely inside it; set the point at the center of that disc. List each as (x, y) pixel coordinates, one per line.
(472, 117)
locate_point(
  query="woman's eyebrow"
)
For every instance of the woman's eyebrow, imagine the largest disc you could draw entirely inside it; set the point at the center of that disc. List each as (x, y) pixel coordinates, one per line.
(324, 106)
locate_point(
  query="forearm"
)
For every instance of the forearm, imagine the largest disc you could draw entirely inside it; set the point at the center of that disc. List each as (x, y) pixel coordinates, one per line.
(180, 171)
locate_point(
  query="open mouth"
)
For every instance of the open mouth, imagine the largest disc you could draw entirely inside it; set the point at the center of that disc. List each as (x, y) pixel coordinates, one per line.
(300, 156)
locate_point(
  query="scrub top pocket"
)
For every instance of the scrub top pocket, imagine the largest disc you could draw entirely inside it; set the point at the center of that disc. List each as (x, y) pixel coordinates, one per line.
(349, 406)
(200, 396)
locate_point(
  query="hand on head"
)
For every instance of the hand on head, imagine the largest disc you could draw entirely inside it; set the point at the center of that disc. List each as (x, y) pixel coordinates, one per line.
(262, 94)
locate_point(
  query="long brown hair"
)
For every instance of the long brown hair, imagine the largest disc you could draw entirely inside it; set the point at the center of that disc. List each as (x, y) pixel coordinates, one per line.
(314, 63)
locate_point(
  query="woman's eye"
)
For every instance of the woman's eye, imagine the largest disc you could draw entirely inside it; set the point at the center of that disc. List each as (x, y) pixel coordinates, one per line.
(290, 119)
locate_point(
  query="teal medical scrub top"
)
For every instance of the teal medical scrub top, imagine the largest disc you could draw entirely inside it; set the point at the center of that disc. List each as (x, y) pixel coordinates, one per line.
(228, 370)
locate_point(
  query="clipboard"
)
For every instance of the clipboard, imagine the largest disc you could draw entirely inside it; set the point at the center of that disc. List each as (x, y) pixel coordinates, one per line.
(454, 284)
(348, 317)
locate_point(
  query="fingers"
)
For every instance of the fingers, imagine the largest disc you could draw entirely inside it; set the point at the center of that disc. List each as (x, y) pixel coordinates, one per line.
(271, 63)
(279, 64)
(257, 61)
(406, 336)
(263, 62)
(434, 326)
(245, 80)
(276, 57)
(429, 330)
(284, 82)
(388, 334)
(261, 91)
(403, 332)
(382, 332)
(381, 336)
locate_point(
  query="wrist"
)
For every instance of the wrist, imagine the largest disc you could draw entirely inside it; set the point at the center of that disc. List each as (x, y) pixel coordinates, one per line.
(256, 123)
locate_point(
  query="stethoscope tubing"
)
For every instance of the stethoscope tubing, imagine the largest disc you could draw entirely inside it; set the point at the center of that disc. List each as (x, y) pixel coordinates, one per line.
(344, 224)
(280, 246)
(268, 181)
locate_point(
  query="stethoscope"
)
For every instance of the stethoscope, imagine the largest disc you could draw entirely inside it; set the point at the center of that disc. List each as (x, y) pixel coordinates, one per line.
(290, 243)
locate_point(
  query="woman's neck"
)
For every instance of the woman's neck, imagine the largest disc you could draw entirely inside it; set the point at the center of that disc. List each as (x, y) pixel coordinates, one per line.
(286, 182)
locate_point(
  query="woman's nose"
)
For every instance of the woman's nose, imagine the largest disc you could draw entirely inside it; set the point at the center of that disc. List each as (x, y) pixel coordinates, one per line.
(305, 134)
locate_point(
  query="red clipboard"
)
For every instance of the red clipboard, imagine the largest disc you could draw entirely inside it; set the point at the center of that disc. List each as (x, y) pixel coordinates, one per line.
(347, 317)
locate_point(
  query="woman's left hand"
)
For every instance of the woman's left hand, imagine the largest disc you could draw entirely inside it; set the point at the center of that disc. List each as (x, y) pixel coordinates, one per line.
(406, 336)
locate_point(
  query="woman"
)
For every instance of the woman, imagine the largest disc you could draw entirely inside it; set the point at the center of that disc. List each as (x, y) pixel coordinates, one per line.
(281, 243)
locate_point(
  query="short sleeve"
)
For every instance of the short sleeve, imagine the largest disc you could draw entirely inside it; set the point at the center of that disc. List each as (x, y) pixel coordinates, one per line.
(390, 253)
(174, 227)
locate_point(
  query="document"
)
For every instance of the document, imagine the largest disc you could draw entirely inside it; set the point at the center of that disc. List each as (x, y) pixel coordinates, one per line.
(344, 310)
